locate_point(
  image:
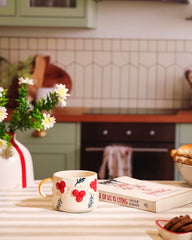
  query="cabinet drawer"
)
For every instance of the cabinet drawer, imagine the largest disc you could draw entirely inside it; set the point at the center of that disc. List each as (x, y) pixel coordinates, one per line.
(128, 132)
(60, 133)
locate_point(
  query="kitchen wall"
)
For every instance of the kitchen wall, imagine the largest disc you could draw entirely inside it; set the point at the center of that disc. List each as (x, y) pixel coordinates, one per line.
(136, 57)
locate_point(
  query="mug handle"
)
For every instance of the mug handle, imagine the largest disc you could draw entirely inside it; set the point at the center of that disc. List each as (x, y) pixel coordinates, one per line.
(40, 187)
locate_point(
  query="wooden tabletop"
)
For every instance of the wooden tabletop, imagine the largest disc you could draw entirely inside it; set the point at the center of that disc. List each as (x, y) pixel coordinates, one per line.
(25, 215)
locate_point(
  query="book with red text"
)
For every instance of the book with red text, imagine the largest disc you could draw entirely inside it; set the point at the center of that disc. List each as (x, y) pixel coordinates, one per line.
(145, 195)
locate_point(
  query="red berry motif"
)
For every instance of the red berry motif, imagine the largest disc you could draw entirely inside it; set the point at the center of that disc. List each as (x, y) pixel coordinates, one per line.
(75, 192)
(61, 186)
(93, 185)
(79, 195)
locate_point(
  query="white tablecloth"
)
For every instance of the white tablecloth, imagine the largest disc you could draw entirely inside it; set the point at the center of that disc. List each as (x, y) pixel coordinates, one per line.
(26, 215)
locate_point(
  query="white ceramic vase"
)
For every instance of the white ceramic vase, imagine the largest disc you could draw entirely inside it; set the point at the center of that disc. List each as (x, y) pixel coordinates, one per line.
(16, 166)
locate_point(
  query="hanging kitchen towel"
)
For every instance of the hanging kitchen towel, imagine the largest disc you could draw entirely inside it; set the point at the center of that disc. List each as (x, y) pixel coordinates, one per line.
(107, 155)
(118, 160)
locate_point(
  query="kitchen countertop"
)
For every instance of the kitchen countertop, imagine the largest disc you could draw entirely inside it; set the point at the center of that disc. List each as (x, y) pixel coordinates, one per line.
(26, 215)
(75, 114)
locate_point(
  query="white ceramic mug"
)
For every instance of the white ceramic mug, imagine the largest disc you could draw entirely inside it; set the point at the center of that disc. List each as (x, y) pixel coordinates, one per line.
(73, 191)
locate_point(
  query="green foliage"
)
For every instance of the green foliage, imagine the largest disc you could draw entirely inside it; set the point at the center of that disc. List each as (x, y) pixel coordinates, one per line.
(15, 70)
(26, 116)
(3, 99)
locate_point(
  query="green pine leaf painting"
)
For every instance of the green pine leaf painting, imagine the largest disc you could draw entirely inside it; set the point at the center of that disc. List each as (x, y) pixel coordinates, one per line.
(80, 180)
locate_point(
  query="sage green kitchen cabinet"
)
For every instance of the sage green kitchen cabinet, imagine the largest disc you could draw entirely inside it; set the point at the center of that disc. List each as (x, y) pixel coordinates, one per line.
(7, 8)
(22, 13)
(59, 150)
(183, 136)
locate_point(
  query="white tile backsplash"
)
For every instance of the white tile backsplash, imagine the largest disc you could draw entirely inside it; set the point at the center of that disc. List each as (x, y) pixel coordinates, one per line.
(188, 46)
(83, 58)
(79, 44)
(4, 43)
(60, 44)
(42, 44)
(14, 55)
(116, 45)
(161, 45)
(23, 43)
(107, 45)
(97, 44)
(14, 43)
(88, 44)
(120, 59)
(127, 73)
(65, 58)
(152, 46)
(70, 44)
(33, 43)
(125, 45)
(51, 44)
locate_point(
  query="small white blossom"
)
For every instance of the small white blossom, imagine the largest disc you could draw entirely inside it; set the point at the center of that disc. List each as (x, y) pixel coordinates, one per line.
(48, 121)
(3, 145)
(61, 91)
(3, 113)
(1, 91)
(62, 102)
(25, 80)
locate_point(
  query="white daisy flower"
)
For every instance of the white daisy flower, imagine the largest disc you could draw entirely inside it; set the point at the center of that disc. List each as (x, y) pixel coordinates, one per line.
(3, 113)
(3, 145)
(1, 91)
(25, 80)
(48, 121)
(61, 91)
(62, 102)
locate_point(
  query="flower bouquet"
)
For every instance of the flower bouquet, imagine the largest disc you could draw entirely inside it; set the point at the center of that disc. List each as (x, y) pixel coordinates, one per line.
(25, 116)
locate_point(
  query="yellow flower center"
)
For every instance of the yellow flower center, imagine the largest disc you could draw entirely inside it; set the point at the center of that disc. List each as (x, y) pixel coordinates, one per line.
(1, 143)
(47, 121)
(61, 92)
(1, 114)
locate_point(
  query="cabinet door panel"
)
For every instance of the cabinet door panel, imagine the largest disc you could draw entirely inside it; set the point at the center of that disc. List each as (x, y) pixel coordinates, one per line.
(48, 162)
(185, 133)
(45, 164)
(9, 9)
(29, 11)
(21, 13)
(56, 152)
(183, 136)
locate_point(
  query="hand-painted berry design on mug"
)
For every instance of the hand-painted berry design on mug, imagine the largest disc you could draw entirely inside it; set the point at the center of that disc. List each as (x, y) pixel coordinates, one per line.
(61, 186)
(93, 185)
(79, 195)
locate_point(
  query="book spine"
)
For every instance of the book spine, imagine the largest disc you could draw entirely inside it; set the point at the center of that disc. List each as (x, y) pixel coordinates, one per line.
(127, 201)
